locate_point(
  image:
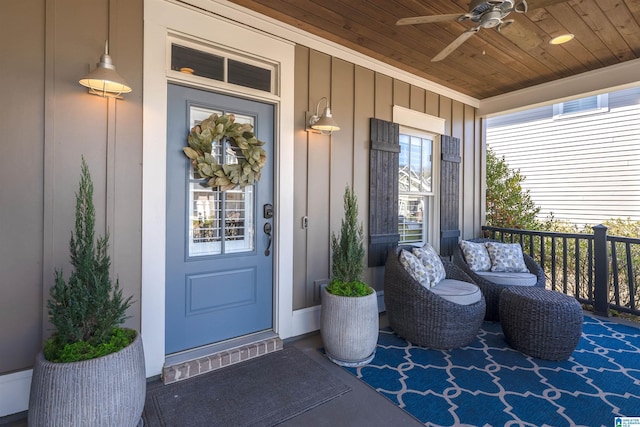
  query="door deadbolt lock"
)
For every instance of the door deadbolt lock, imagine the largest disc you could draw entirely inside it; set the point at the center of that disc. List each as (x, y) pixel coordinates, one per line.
(267, 211)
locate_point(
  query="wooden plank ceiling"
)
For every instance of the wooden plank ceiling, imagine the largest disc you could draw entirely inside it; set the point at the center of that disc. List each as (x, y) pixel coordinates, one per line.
(489, 63)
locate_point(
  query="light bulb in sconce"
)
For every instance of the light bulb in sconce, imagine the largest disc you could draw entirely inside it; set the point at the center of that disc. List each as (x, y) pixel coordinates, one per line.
(325, 122)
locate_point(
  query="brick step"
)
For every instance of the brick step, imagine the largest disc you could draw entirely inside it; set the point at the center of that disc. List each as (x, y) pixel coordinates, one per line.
(190, 364)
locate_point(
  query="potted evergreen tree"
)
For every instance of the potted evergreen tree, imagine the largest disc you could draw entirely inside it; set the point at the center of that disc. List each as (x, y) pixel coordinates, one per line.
(91, 371)
(349, 314)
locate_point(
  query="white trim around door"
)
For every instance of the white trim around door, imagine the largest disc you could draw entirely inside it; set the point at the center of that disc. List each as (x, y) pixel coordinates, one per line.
(163, 19)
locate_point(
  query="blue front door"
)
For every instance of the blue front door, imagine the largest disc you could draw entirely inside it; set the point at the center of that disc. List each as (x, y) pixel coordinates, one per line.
(219, 273)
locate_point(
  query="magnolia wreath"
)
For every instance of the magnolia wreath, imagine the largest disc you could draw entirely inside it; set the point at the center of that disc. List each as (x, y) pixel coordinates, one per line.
(223, 129)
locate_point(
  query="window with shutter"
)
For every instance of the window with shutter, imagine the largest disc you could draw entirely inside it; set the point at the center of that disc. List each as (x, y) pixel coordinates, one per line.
(390, 193)
(383, 190)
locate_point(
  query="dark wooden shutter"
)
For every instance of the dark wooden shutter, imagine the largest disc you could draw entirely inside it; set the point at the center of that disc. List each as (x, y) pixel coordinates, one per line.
(449, 194)
(383, 190)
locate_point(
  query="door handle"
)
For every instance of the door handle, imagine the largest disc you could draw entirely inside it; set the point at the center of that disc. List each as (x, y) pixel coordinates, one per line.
(267, 230)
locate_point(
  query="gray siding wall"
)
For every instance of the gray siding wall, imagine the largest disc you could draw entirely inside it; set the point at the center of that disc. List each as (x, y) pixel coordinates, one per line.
(48, 122)
(585, 169)
(324, 165)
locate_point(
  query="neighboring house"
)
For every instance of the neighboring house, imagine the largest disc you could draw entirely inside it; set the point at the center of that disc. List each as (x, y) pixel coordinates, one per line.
(196, 260)
(581, 158)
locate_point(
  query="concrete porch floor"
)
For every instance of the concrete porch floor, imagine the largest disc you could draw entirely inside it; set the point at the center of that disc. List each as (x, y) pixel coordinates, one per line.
(362, 406)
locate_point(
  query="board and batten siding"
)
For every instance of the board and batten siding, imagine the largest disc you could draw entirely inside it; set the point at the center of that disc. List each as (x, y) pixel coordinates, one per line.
(49, 122)
(585, 168)
(324, 165)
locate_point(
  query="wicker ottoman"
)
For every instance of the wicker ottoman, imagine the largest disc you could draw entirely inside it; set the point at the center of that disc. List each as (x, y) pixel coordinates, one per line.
(540, 322)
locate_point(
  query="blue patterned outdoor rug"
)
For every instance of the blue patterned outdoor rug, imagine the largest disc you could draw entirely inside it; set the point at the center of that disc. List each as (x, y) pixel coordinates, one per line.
(489, 384)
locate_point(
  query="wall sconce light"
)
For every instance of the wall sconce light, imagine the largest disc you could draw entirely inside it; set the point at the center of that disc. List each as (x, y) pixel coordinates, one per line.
(103, 80)
(324, 123)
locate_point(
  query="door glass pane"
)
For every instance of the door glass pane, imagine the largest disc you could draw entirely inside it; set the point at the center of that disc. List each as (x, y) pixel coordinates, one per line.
(220, 222)
(205, 225)
(239, 227)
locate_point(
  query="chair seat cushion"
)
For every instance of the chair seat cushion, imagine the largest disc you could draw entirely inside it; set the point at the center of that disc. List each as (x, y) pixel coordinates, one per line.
(458, 292)
(510, 279)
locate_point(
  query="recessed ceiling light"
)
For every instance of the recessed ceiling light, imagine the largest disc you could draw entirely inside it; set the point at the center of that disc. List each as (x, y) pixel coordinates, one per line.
(563, 38)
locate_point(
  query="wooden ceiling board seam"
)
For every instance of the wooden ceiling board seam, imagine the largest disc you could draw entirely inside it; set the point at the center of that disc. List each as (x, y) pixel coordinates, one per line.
(584, 35)
(617, 11)
(353, 44)
(564, 55)
(597, 20)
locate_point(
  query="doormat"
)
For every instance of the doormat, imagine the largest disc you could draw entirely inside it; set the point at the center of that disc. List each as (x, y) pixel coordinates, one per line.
(264, 391)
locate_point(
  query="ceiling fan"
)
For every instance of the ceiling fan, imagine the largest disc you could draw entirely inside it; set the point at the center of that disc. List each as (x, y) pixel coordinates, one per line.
(485, 13)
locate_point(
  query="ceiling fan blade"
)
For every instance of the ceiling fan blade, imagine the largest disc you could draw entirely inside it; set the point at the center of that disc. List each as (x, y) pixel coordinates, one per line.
(455, 44)
(538, 4)
(428, 19)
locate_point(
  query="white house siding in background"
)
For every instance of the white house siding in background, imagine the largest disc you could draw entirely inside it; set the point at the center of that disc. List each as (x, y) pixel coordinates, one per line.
(584, 168)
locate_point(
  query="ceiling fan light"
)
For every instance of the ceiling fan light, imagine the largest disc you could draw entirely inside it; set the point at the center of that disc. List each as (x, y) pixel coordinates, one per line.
(562, 38)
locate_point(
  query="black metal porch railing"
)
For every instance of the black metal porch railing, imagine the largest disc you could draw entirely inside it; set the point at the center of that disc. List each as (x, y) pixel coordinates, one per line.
(597, 269)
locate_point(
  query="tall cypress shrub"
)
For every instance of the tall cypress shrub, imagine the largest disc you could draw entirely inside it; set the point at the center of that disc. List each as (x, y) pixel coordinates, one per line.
(87, 309)
(348, 252)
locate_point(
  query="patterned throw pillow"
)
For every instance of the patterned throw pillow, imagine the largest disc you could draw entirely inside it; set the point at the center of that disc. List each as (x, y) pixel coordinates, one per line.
(432, 264)
(476, 255)
(506, 257)
(414, 267)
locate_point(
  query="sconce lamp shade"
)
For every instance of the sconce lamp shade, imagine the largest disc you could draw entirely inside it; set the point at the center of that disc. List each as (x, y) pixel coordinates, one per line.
(104, 80)
(325, 122)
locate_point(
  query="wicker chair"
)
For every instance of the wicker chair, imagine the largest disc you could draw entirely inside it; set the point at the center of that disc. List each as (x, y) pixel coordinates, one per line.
(490, 290)
(424, 318)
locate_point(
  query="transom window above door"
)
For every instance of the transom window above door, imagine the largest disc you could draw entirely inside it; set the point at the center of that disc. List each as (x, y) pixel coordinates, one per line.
(193, 59)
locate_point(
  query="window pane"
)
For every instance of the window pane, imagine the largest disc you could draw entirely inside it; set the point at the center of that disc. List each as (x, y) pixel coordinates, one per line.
(415, 159)
(238, 223)
(193, 61)
(411, 219)
(249, 76)
(577, 105)
(427, 156)
(403, 175)
(204, 225)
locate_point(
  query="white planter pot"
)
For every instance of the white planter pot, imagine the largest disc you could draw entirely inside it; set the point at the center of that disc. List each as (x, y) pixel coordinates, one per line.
(107, 391)
(349, 328)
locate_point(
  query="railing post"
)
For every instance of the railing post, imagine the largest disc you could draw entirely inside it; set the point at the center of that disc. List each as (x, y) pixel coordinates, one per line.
(601, 270)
